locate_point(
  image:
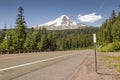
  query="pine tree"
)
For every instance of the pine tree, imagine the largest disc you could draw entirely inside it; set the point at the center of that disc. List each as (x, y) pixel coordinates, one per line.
(20, 30)
(113, 16)
(116, 31)
(110, 30)
(30, 42)
(52, 41)
(43, 43)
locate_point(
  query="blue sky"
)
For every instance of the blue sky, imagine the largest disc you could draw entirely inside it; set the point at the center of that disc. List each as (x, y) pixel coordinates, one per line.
(42, 11)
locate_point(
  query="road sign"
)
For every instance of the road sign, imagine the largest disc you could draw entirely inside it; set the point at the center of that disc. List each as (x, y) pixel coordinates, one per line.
(94, 38)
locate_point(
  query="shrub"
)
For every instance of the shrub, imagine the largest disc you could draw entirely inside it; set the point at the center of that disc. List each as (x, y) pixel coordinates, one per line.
(111, 47)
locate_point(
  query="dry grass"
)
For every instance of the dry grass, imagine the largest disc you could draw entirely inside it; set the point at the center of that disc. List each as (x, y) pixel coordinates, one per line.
(112, 62)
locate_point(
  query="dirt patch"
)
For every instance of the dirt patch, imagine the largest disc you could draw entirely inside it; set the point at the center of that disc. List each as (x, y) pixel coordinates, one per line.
(87, 70)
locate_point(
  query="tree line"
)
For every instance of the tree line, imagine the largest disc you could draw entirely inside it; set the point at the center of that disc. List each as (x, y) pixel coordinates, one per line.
(45, 40)
(110, 30)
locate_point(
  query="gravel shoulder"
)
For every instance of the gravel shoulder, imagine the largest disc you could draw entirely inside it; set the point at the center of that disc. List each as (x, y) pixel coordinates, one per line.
(86, 71)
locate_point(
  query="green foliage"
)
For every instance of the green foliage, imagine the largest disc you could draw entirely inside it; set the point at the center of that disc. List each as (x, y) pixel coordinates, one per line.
(116, 31)
(111, 47)
(43, 43)
(20, 31)
(75, 39)
(110, 33)
(1, 37)
(3, 45)
(30, 42)
(113, 16)
(52, 41)
(45, 40)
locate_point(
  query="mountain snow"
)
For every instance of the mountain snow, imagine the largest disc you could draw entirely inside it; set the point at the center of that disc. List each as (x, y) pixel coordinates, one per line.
(61, 23)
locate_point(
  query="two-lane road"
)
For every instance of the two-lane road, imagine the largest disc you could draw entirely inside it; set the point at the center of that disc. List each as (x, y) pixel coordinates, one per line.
(41, 66)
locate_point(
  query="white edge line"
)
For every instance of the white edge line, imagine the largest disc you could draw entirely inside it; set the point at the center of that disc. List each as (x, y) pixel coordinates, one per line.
(4, 69)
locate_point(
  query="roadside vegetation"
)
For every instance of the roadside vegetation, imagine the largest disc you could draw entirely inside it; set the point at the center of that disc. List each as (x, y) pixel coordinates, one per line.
(109, 34)
(109, 41)
(111, 47)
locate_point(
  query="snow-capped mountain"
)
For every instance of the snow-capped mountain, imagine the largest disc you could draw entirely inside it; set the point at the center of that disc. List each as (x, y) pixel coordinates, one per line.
(61, 23)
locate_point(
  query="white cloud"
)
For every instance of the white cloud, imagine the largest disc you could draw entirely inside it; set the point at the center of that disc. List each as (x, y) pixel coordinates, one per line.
(89, 18)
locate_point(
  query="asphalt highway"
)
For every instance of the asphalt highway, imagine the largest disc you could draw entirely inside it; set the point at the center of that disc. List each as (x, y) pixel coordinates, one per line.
(58, 65)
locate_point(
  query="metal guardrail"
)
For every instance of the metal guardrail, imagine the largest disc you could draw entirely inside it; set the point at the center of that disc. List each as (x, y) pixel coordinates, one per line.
(17, 51)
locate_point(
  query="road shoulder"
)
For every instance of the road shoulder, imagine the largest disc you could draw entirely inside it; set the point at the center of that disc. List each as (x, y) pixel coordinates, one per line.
(87, 70)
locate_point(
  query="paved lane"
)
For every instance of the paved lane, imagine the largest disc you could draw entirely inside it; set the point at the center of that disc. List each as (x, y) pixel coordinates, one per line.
(56, 69)
(17, 59)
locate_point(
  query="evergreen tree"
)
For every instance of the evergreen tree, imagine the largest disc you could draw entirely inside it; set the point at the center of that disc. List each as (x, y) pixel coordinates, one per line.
(43, 43)
(110, 30)
(30, 42)
(113, 16)
(20, 30)
(116, 31)
(52, 41)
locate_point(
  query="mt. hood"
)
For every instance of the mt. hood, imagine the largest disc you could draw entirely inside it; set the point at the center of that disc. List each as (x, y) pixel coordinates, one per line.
(61, 23)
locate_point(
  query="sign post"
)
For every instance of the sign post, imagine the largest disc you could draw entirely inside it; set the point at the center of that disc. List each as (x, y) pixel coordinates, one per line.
(94, 40)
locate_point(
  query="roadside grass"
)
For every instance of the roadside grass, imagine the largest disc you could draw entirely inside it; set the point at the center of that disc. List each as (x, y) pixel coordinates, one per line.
(112, 62)
(111, 47)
